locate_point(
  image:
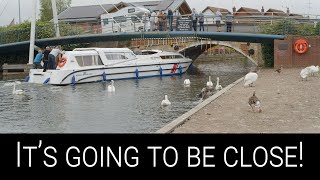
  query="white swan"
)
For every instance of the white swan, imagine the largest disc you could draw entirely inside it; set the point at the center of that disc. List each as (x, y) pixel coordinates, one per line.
(305, 73)
(17, 92)
(313, 70)
(166, 101)
(186, 83)
(218, 86)
(250, 78)
(209, 83)
(111, 87)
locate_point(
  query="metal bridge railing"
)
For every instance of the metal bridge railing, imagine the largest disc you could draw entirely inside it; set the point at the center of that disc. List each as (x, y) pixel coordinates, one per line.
(243, 24)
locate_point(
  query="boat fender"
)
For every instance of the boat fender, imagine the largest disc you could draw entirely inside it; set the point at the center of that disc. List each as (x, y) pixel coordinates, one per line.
(180, 69)
(160, 71)
(174, 68)
(73, 80)
(104, 76)
(137, 73)
(46, 81)
(27, 79)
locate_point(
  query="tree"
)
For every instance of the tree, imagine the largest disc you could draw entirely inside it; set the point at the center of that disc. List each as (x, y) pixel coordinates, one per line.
(46, 8)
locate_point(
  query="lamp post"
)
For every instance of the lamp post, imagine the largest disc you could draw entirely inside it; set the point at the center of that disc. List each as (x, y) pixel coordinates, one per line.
(55, 17)
(33, 31)
(19, 12)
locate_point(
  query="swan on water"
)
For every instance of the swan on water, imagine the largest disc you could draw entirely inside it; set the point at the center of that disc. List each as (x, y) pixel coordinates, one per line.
(209, 83)
(186, 82)
(218, 86)
(18, 91)
(166, 101)
(111, 87)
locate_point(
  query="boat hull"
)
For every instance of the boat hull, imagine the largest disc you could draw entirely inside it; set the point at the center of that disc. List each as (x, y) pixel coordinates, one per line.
(87, 75)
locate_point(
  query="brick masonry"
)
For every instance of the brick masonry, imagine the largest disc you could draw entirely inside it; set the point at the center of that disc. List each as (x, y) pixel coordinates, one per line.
(285, 55)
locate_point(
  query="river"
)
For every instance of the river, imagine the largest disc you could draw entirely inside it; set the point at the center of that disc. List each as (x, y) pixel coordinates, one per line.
(89, 108)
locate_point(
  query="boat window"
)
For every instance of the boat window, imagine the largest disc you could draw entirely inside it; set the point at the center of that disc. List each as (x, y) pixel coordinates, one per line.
(117, 56)
(131, 10)
(130, 55)
(178, 57)
(148, 52)
(172, 57)
(135, 19)
(120, 19)
(166, 57)
(89, 60)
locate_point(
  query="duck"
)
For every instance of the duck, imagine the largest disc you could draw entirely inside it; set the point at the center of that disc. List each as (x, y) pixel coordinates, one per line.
(205, 93)
(209, 83)
(218, 86)
(254, 102)
(18, 91)
(250, 78)
(166, 101)
(187, 82)
(279, 69)
(111, 87)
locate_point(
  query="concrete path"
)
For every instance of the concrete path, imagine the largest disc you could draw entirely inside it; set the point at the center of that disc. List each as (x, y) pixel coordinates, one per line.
(289, 105)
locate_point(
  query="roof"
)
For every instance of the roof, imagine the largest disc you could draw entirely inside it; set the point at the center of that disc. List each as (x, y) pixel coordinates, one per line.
(94, 12)
(276, 12)
(151, 5)
(81, 12)
(293, 14)
(251, 11)
(172, 4)
(215, 9)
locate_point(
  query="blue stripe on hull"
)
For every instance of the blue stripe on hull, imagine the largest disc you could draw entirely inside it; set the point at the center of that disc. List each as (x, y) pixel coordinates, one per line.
(141, 77)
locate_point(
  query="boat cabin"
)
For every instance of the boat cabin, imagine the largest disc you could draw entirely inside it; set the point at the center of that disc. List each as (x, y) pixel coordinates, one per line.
(85, 57)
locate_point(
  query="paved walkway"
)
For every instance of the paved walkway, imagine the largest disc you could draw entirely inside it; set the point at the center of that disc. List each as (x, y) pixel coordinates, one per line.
(288, 104)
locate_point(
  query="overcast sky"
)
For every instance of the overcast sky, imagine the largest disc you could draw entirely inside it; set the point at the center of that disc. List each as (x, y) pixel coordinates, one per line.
(9, 8)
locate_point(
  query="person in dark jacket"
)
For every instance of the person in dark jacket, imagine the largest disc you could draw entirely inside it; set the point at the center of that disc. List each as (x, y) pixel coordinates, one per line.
(194, 17)
(201, 21)
(170, 17)
(46, 58)
(229, 20)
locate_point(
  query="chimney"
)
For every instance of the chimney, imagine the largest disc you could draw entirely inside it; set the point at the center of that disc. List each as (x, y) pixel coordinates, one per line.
(262, 9)
(288, 10)
(234, 9)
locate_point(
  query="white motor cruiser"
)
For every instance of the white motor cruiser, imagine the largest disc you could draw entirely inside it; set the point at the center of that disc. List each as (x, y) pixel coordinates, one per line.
(83, 65)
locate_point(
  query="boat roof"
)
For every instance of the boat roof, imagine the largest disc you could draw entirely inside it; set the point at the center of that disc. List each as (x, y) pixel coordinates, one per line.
(104, 49)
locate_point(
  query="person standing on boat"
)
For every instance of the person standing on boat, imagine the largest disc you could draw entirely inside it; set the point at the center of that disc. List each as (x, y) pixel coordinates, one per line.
(37, 60)
(52, 57)
(46, 58)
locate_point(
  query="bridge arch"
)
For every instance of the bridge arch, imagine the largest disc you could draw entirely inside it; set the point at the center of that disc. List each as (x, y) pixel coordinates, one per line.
(194, 50)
